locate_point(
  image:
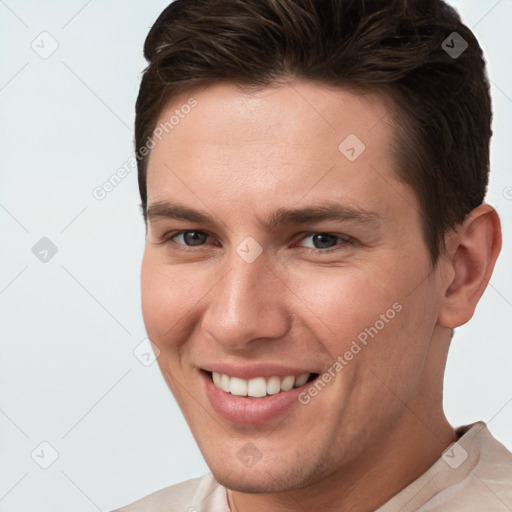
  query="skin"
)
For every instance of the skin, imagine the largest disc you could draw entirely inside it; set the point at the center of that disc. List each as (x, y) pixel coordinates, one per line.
(240, 156)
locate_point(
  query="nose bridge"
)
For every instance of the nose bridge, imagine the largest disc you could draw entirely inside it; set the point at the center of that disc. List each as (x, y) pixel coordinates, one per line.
(248, 303)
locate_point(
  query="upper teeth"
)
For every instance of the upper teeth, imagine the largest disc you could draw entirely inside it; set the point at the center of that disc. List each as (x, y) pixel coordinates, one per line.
(258, 387)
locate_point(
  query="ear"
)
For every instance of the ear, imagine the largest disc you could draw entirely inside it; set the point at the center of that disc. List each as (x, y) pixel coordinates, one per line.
(471, 252)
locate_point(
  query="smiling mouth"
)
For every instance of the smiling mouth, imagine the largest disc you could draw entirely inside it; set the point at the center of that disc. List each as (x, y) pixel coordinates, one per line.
(259, 387)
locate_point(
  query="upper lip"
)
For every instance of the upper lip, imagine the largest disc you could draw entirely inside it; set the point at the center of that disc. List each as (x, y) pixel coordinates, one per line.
(251, 371)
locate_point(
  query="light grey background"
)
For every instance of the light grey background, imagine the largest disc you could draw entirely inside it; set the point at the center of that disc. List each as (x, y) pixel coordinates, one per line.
(69, 326)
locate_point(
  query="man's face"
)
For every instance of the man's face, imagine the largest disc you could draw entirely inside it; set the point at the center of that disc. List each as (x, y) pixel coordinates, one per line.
(255, 292)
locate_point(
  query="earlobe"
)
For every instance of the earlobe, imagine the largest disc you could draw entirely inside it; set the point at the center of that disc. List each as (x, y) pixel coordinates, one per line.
(471, 255)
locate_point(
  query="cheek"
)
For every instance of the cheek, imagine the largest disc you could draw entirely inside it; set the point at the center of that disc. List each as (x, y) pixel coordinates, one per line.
(166, 298)
(344, 301)
(369, 316)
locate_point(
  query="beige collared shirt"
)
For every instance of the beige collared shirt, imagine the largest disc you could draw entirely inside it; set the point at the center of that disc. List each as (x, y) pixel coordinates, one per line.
(473, 474)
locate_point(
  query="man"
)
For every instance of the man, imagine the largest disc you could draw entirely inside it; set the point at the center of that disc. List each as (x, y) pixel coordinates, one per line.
(312, 175)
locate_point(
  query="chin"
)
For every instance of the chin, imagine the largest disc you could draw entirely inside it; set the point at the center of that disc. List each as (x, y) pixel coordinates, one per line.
(263, 480)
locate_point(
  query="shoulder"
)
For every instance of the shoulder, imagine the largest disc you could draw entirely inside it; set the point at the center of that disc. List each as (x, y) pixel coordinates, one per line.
(491, 478)
(487, 482)
(473, 474)
(187, 496)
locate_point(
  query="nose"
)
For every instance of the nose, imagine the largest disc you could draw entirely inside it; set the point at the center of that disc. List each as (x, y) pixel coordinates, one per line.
(249, 303)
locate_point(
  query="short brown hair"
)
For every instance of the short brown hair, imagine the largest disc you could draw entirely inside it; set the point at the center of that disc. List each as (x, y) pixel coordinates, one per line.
(442, 102)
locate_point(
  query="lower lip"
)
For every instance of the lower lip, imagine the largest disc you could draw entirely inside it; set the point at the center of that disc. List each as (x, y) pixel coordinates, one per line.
(250, 411)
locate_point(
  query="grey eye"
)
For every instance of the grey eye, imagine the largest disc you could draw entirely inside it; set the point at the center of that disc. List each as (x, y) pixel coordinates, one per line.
(192, 238)
(322, 240)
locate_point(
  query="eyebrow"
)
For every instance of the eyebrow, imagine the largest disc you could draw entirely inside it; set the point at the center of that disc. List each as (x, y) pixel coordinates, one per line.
(329, 211)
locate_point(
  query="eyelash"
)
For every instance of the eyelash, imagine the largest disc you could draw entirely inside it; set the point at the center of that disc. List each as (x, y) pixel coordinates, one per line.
(344, 240)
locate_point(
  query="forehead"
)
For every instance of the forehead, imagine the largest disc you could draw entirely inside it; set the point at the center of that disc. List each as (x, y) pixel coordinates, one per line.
(278, 143)
(295, 112)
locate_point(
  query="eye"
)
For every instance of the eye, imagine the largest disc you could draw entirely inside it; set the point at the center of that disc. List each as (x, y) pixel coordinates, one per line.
(326, 241)
(190, 238)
